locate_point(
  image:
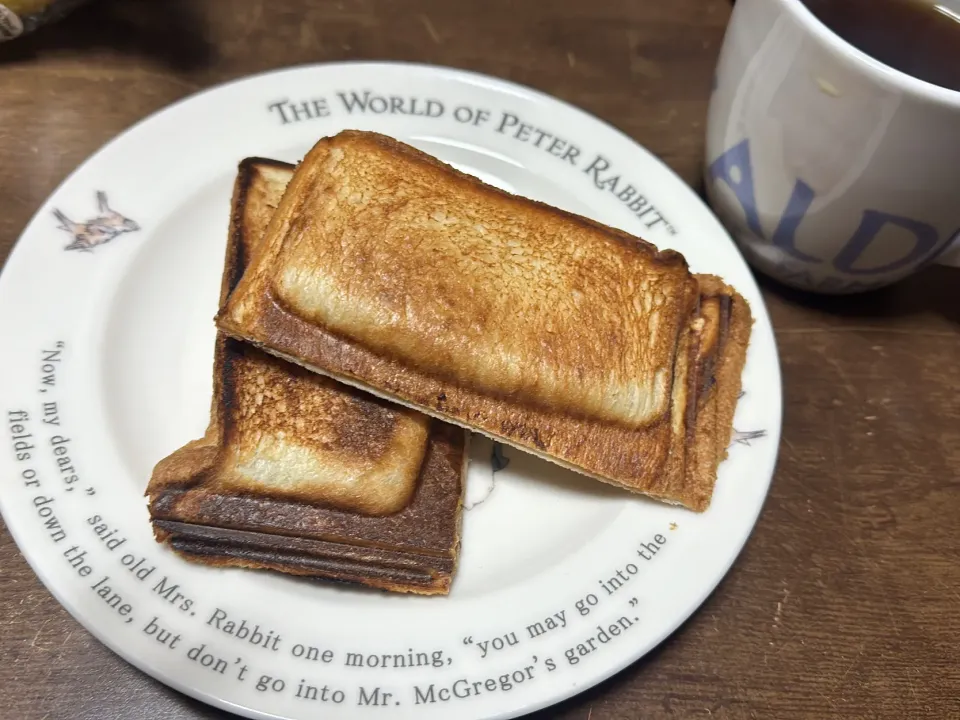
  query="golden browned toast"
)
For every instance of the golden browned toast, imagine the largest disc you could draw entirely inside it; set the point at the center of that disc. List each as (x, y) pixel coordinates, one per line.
(300, 473)
(390, 271)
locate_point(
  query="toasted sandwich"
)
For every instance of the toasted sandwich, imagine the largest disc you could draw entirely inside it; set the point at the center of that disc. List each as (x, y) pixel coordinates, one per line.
(390, 271)
(301, 474)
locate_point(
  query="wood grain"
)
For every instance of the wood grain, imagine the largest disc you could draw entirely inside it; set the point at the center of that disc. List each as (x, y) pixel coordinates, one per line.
(845, 602)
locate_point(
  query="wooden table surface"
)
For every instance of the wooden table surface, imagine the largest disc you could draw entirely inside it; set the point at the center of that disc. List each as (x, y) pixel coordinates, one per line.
(845, 602)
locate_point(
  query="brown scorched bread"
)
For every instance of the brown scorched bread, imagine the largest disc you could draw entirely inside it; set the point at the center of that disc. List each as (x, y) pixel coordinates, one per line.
(390, 271)
(722, 352)
(301, 474)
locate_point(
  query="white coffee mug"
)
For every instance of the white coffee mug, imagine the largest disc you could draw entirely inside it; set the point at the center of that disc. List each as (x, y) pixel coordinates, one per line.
(834, 172)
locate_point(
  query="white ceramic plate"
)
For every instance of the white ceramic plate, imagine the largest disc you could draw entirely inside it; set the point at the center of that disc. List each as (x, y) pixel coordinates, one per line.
(106, 368)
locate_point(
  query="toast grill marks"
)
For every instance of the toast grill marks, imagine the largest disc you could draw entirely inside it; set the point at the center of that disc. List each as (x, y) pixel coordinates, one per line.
(227, 499)
(285, 300)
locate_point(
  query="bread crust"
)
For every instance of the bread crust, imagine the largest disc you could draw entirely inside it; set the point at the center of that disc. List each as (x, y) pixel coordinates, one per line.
(720, 371)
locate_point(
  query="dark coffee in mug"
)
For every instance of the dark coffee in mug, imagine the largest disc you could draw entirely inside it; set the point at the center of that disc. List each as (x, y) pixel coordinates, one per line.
(918, 37)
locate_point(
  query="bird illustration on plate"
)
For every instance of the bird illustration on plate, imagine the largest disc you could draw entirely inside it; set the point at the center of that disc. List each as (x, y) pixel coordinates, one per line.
(97, 231)
(743, 437)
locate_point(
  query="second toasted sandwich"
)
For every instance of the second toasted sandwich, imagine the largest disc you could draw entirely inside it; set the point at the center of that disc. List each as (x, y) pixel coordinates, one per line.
(301, 474)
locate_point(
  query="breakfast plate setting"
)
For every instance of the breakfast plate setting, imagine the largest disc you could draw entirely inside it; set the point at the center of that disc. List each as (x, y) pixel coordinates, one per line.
(353, 470)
